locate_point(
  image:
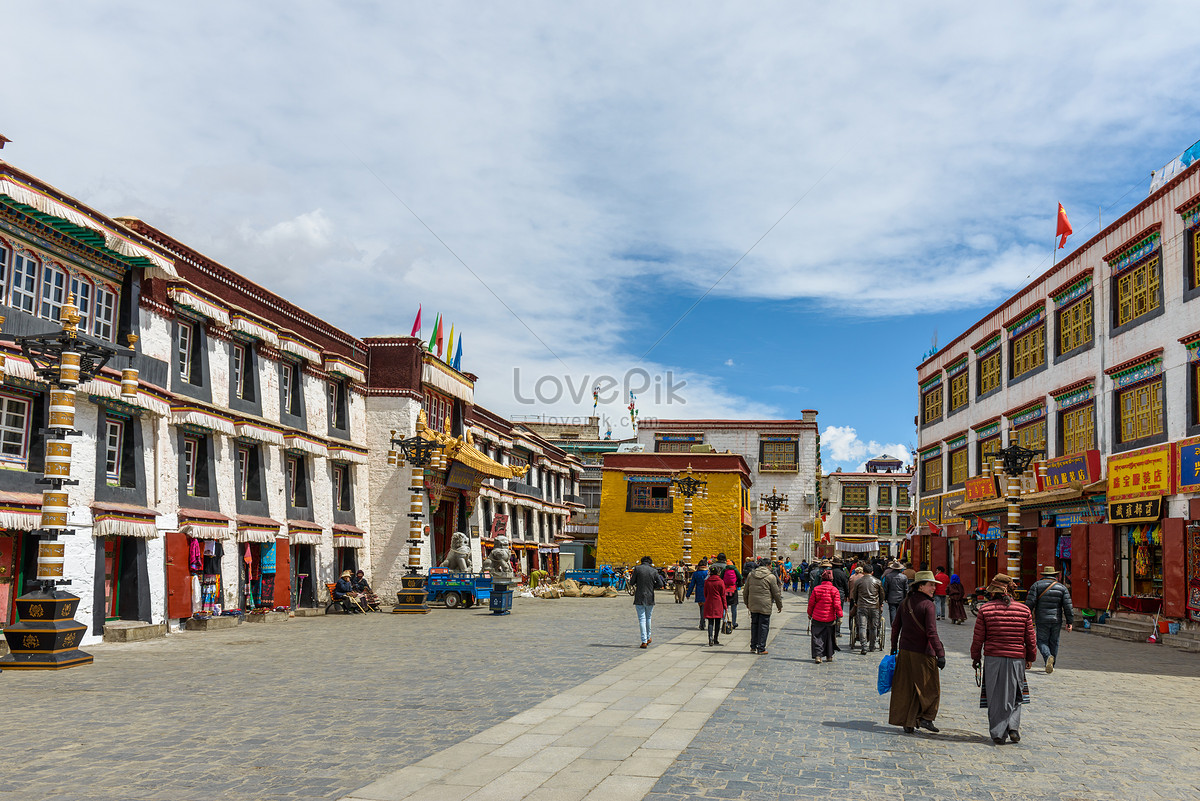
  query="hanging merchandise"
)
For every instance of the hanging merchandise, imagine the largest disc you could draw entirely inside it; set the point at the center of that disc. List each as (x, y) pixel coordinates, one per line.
(1063, 550)
(195, 556)
(1141, 561)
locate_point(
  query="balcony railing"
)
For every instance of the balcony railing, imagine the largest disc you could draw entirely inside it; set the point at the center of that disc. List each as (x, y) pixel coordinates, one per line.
(521, 488)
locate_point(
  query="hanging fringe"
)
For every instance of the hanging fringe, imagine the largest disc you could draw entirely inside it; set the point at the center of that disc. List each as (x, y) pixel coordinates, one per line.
(202, 418)
(185, 297)
(241, 323)
(301, 442)
(292, 344)
(107, 387)
(116, 526)
(348, 541)
(259, 433)
(305, 537)
(256, 534)
(19, 519)
(343, 453)
(438, 375)
(18, 367)
(206, 531)
(336, 364)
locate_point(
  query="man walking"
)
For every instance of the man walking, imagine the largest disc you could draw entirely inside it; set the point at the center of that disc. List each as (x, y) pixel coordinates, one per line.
(895, 588)
(939, 595)
(1050, 602)
(645, 581)
(841, 580)
(760, 590)
(866, 596)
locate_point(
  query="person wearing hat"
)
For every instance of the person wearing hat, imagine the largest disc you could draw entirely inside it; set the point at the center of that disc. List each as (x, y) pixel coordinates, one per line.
(1050, 602)
(343, 592)
(841, 580)
(895, 588)
(916, 685)
(1004, 646)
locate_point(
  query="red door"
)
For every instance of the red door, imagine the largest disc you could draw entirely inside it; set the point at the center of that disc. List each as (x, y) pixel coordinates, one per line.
(938, 552)
(1174, 556)
(1079, 565)
(112, 563)
(1047, 539)
(964, 562)
(179, 576)
(1101, 565)
(8, 577)
(283, 572)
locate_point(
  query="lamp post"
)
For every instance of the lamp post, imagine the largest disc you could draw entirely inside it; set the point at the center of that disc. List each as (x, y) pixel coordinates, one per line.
(47, 636)
(419, 452)
(1016, 460)
(689, 487)
(773, 502)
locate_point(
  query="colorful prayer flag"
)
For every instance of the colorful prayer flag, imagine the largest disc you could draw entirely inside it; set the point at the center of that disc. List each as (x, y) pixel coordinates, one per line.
(450, 342)
(417, 323)
(458, 355)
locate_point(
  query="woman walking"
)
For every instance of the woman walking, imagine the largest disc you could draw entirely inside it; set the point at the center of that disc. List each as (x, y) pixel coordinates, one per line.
(697, 584)
(958, 606)
(824, 608)
(916, 686)
(1006, 641)
(714, 606)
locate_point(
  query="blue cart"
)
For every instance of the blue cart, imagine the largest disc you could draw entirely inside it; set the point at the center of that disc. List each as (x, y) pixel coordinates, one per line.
(603, 576)
(456, 590)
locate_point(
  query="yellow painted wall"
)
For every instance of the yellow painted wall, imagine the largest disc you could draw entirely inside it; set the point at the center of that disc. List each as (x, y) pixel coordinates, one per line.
(625, 537)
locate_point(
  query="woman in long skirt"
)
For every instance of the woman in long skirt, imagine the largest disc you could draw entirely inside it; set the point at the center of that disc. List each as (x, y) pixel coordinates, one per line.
(916, 685)
(1006, 642)
(824, 608)
(958, 606)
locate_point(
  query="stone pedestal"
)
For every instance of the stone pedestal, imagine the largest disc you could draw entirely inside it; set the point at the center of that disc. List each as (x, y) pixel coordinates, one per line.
(212, 623)
(268, 617)
(133, 631)
(413, 599)
(47, 636)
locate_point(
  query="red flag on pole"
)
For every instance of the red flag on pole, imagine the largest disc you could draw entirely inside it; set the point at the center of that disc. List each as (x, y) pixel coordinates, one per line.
(417, 323)
(1064, 227)
(762, 531)
(981, 525)
(933, 527)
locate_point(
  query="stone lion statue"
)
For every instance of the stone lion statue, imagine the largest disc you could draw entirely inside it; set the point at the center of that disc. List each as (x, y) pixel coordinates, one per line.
(459, 558)
(499, 562)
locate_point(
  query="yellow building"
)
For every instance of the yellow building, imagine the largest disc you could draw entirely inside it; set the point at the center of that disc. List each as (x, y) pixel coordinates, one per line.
(639, 517)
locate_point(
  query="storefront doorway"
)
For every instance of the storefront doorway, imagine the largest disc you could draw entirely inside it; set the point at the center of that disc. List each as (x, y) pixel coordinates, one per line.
(122, 589)
(8, 576)
(304, 576)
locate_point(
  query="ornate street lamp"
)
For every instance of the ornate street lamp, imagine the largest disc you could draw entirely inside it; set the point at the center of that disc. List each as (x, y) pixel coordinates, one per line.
(419, 452)
(689, 487)
(47, 636)
(773, 502)
(1016, 460)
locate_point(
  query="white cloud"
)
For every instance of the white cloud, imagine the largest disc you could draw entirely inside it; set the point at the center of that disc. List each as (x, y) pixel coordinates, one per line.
(729, 363)
(841, 447)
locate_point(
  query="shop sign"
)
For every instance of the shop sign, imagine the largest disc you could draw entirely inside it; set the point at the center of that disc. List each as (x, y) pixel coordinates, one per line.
(461, 477)
(1189, 465)
(1072, 471)
(746, 520)
(931, 509)
(1068, 519)
(1145, 473)
(950, 503)
(981, 488)
(499, 525)
(1143, 511)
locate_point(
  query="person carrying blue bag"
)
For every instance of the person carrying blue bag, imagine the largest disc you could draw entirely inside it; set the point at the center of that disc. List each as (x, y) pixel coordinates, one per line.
(887, 668)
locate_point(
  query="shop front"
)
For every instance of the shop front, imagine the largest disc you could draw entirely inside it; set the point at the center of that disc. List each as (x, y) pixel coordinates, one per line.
(257, 545)
(194, 557)
(1146, 539)
(304, 538)
(122, 579)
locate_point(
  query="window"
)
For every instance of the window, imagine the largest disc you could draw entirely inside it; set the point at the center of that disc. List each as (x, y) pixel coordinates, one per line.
(648, 498)
(960, 392)
(988, 449)
(590, 492)
(1138, 291)
(187, 332)
(1075, 325)
(1195, 370)
(438, 409)
(237, 355)
(885, 524)
(54, 293)
(338, 405)
(854, 525)
(902, 496)
(989, 372)
(855, 495)
(932, 475)
(958, 466)
(885, 495)
(1033, 436)
(297, 481)
(191, 455)
(1078, 429)
(903, 524)
(1194, 266)
(285, 385)
(1141, 411)
(106, 303)
(1029, 351)
(3, 270)
(341, 487)
(114, 439)
(81, 291)
(24, 288)
(933, 404)
(243, 468)
(665, 446)
(779, 455)
(14, 431)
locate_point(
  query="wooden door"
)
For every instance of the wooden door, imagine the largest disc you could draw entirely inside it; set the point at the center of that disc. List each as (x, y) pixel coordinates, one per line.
(1029, 557)
(1047, 540)
(1080, 593)
(283, 572)
(1174, 560)
(112, 563)
(964, 562)
(938, 554)
(8, 577)
(179, 576)
(1102, 573)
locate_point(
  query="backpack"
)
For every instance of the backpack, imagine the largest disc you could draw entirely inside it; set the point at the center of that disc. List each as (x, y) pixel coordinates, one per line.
(730, 578)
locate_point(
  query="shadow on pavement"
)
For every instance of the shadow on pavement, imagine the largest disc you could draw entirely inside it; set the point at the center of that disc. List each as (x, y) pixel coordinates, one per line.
(949, 735)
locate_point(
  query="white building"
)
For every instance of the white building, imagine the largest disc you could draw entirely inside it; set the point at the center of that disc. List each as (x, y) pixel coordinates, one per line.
(869, 512)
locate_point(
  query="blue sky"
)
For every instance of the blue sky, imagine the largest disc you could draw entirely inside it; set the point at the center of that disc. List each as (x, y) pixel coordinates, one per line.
(597, 168)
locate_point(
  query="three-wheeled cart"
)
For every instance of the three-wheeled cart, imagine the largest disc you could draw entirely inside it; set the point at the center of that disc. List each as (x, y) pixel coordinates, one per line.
(456, 590)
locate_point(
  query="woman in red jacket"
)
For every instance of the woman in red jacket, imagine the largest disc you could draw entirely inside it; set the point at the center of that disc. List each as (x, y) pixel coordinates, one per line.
(824, 607)
(714, 606)
(1004, 633)
(916, 685)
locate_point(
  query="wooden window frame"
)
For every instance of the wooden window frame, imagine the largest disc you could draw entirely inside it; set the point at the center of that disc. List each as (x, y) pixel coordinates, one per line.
(55, 282)
(238, 354)
(1127, 434)
(113, 450)
(648, 502)
(959, 466)
(856, 496)
(1025, 435)
(26, 269)
(984, 448)
(932, 404)
(8, 404)
(927, 486)
(989, 370)
(1070, 435)
(1076, 325)
(960, 390)
(191, 450)
(104, 313)
(885, 524)
(1028, 351)
(187, 332)
(1132, 302)
(855, 525)
(885, 495)
(783, 456)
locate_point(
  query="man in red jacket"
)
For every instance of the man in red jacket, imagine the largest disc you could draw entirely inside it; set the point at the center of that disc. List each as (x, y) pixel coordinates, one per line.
(939, 594)
(1004, 634)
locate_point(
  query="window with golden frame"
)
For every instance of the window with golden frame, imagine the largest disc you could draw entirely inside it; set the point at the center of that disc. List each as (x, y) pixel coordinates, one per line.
(903, 524)
(1032, 436)
(854, 525)
(932, 470)
(1078, 429)
(989, 372)
(1029, 350)
(1075, 325)
(958, 466)
(1137, 292)
(902, 496)
(855, 495)
(960, 390)
(1196, 393)
(933, 404)
(988, 448)
(885, 495)
(885, 524)
(1141, 410)
(1195, 258)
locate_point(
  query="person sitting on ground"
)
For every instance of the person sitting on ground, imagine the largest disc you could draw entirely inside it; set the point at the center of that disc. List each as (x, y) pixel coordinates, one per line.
(345, 594)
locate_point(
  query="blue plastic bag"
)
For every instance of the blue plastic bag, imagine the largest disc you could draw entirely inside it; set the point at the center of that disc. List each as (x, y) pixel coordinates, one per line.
(886, 668)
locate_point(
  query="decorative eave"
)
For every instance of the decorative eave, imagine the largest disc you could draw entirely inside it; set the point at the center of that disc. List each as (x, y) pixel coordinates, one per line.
(303, 441)
(928, 382)
(1116, 253)
(245, 323)
(123, 520)
(987, 340)
(986, 423)
(1074, 386)
(1188, 204)
(191, 298)
(251, 528)
(1136, 361)
(344, 367)
(304, 532)
(201, 417)
(1190, 338)
(345, 452)
(956, 439)
(1025, 407)
(298, 346)
(445, 378)
(259, 432)
(1022, 318)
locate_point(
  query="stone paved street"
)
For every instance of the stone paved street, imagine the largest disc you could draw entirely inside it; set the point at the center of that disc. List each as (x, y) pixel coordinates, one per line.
(557, 702)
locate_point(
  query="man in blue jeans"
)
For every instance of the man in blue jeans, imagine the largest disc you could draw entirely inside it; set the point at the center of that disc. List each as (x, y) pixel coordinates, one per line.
(1050, 601)
(645, 580)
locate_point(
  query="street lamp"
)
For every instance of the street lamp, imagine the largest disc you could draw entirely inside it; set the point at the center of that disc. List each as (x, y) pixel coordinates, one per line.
(689, 487)
(773, 502)
(419, 451)
(47, 636)
(1016, 460)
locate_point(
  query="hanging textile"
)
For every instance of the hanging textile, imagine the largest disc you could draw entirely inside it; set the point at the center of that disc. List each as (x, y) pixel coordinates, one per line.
(266, 558)
(1141, 561)
(197, 594)
(195, 555)
(1063, 549)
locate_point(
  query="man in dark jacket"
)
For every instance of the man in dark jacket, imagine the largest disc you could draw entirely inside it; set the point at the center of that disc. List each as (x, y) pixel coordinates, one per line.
(645, 581)
(841, 580)
(761, 591)
(344, 593)
(895, 587)
(1050, 601)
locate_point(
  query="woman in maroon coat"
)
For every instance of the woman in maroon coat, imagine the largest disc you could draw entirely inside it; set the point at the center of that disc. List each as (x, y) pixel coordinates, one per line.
(1005, 635)
(714, 606)
(916, 685)
(824, 607)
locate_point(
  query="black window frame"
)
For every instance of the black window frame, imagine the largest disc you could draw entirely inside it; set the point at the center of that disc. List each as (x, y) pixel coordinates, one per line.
(665, 489)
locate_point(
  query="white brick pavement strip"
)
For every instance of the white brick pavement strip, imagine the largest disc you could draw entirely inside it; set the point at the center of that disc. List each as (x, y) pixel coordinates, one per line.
(609, 738)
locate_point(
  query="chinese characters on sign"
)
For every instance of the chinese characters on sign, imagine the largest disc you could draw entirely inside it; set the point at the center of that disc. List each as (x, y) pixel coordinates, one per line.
(1146, 511)
(981, 488)
(499, 524)
(1189, 465)
(950, 503)
(1075, 470)
(1137, 483)
(931, 509)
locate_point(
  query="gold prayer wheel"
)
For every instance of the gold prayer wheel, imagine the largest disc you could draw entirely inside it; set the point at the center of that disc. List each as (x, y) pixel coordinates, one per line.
(54, 509)
(68, 368)
(51, 556)
(418, 478)
(62, 408)
(58, 458)
(129, 383)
